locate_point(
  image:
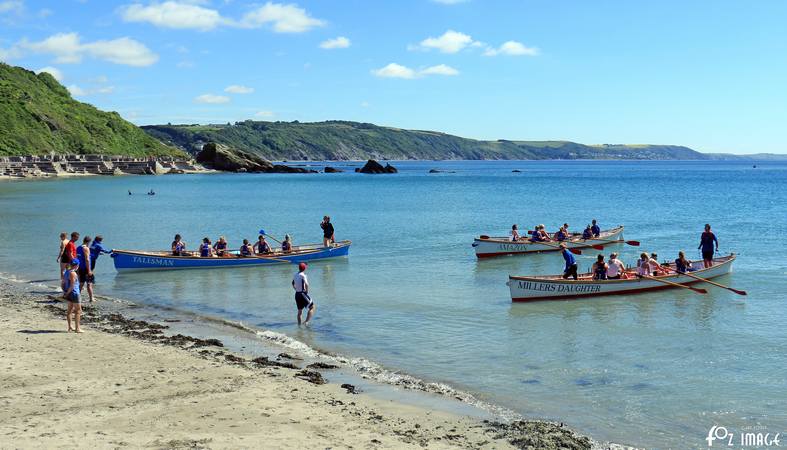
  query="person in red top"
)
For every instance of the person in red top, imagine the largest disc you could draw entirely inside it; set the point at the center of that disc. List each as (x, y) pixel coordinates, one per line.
(70, 250)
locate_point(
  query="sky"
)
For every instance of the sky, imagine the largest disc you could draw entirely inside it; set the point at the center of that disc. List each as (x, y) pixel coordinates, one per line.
(711, 75)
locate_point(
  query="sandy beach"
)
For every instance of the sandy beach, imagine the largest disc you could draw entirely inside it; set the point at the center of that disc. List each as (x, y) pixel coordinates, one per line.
(127, 383)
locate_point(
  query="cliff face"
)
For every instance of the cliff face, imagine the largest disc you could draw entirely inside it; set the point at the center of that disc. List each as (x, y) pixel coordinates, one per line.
(341, 140)
(39, 117)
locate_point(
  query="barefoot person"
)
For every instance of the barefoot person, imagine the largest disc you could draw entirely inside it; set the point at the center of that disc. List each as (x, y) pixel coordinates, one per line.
(69, 254)
(707, 239)
(302, 300)
(71, 294)
(85, 272)
(327, 232)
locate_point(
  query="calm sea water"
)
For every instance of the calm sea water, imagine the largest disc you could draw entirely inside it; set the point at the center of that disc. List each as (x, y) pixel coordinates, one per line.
(655, 370)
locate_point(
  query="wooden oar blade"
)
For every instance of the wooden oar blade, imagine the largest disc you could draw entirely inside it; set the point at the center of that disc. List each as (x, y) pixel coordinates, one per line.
(598, 247)
(739, 292)
(575, 251)
(634, 243)
(698, 290)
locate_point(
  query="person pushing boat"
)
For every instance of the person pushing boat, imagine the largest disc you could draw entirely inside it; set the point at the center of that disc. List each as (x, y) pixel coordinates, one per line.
(707, 239)
(571, 263)
(302, 300)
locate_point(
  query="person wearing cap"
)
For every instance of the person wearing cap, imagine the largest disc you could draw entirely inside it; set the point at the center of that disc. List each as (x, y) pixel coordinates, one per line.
(71, 294)
(571, 263)
(327, 231)
(615, 267)
(302, 300)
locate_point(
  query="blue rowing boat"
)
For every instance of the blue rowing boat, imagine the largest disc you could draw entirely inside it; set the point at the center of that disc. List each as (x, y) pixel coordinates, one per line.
(127, 260)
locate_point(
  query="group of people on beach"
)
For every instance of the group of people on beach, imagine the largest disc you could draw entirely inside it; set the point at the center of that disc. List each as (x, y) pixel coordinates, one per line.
(77, 264)
(539, 233)
(647, 265)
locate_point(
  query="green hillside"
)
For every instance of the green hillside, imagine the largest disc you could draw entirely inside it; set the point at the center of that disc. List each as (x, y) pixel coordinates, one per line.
(342, 140)
(38, 116)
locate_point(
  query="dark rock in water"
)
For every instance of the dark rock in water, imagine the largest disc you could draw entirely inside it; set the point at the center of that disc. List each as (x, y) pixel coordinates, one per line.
(357, 169)
(516, 171)
(330, 169)
(280, 168)
(221, 157)
(434, 171)
(263, 361)
(311, 376)
(321, 365)
(374, 167)
(351, 389)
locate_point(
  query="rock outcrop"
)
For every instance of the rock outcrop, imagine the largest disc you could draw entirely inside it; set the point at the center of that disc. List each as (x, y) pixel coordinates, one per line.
(221, 157)
(330, 169)
(374, 167)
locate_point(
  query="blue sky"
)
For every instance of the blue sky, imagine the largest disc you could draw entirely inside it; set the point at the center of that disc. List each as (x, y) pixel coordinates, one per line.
(711, 75)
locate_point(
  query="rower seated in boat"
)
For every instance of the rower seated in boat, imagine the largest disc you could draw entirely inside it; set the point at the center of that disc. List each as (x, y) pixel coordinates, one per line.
(615, 268)
(246, 249)
(643, 264)
(600, 268)
(588, 233)
(286, 246)
(562, 234)
(178, 246)
(539, 235)
(206, 250)
(655, 266)
(261, 247)
(595, 229)
(514, 233)
(682, 265)
(221, 247)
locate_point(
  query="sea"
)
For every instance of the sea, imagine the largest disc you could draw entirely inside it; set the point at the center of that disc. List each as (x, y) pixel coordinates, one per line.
(413, 303)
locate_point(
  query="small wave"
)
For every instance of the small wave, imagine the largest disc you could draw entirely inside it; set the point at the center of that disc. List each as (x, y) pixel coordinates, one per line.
(37, 283)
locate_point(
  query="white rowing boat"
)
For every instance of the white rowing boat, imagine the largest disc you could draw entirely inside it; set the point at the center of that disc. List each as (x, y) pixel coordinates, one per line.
(554, 287)
(487, 247)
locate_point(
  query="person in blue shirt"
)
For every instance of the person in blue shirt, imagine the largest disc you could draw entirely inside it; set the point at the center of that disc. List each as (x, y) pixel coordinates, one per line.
(206, 250)
(96, 249)
(571, 263)
(707, 239)
(595, 229)
(71, 294)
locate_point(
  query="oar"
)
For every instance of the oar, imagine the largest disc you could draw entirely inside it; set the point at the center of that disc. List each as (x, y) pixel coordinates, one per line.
(697, 290)
(737, 291)
(575, 251)
(634, 243)
(262, 232)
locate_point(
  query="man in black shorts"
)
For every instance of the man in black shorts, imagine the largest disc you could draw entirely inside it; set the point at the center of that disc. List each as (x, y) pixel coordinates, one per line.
(302, 300)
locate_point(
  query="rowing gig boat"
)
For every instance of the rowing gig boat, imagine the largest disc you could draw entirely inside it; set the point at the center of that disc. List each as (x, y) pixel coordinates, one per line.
(487, 247)
(127, 260)
(554, 287)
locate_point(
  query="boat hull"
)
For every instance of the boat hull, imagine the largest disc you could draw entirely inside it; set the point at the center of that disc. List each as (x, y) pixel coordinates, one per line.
(525, 289)
(126, 261)
(499, 246)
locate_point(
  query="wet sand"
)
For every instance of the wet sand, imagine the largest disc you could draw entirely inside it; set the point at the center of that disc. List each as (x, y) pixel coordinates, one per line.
(128, 383)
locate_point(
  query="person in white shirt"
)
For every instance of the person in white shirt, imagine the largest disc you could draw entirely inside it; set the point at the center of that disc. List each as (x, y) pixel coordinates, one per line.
(615, 267)
(302, 300)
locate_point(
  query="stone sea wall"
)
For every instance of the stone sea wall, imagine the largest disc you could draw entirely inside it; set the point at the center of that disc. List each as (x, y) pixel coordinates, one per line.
(72, 165)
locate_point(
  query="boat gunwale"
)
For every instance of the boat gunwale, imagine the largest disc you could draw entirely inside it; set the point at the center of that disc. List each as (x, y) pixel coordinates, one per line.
(724, 260)
(504, 240)
(276, 256)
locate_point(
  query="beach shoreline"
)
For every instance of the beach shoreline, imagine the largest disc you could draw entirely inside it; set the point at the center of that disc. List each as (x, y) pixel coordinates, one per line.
(131, 382)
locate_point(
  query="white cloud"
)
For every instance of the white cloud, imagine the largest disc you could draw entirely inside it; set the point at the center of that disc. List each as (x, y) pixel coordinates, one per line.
(440, 69)
(238, 89)
(211, 99)
(449, 42)
(287, 18)
(174, 14)
(365, 104)
(512, 48)
(9, 6)
(339, 42)
(68, 48)
(394, 70)
(55, 72)
(76, 90)
(264, 114)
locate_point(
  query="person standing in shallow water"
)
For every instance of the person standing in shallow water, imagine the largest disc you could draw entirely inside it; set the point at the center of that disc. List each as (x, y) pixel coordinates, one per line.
(302, 300)
(62, 258)
(707, 239)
